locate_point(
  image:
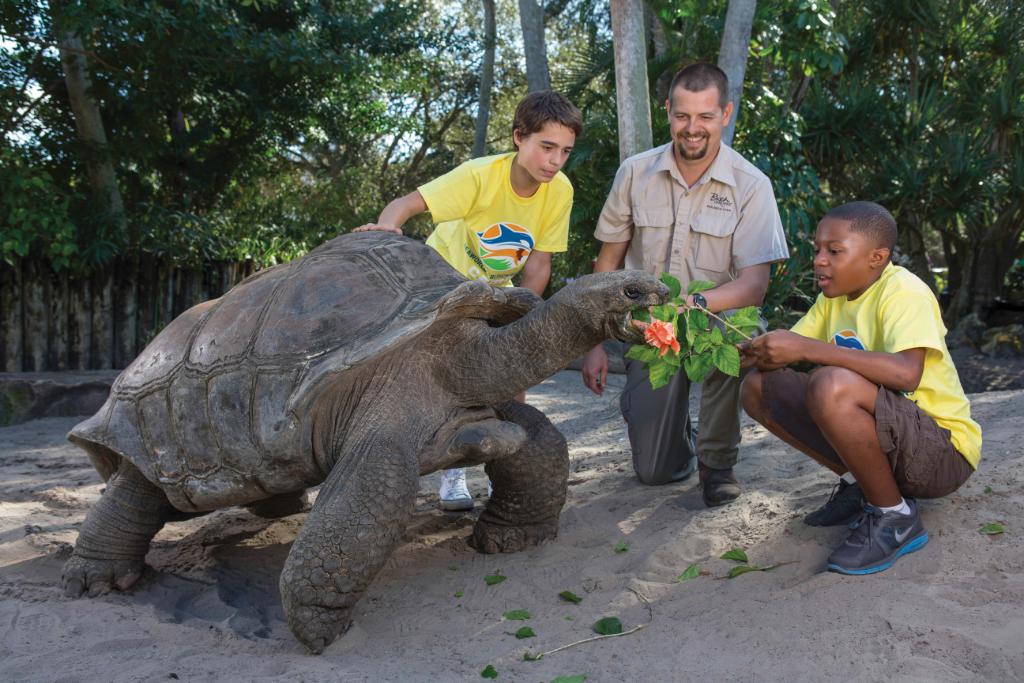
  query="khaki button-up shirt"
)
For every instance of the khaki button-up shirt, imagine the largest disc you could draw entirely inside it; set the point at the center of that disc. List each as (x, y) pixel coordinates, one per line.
(727, 221)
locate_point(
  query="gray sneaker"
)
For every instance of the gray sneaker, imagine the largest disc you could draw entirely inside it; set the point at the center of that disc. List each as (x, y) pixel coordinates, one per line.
(877, 540)
(844, 506)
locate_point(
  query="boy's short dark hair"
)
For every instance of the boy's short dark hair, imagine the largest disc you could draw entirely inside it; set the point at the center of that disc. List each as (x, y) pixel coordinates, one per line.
(701, 76)
(870, 219)
(544, 106)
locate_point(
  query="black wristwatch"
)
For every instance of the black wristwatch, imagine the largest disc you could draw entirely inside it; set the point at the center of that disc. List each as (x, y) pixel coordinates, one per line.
(699, 300)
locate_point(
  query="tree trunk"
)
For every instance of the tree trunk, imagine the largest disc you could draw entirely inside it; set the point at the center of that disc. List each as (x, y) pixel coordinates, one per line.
(732, 58)
(631, 88)
(483, 111)
(660, 43)
(89, 124)
(531, 17)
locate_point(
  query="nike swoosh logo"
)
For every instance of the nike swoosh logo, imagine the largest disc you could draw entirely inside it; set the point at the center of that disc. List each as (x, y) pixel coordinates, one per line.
(901, 536)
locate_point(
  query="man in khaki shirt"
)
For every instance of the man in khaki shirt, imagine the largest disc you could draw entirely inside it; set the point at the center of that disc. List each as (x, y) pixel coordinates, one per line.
(698, 210)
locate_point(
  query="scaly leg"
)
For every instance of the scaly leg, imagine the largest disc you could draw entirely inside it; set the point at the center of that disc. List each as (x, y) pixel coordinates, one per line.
(115, 536)
(358, 519)
(529, 486)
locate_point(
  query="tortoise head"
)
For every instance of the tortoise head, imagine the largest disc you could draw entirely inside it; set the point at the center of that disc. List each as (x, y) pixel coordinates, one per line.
(606, 300)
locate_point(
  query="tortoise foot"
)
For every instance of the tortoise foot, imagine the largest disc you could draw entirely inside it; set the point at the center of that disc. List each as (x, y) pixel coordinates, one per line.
(316, 627)
(99, 576)
(495, 538)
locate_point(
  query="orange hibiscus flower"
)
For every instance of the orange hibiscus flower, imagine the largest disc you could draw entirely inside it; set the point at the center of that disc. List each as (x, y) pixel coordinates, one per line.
(662, 336)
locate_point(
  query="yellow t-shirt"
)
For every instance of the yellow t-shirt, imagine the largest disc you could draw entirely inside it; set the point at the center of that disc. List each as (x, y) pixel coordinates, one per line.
(485, 230)
(896, 313)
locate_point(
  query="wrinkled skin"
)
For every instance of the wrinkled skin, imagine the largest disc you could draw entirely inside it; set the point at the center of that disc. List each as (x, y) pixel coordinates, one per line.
(432, 389)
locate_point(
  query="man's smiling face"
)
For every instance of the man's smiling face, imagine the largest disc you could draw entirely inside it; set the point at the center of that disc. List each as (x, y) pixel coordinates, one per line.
(696, 121)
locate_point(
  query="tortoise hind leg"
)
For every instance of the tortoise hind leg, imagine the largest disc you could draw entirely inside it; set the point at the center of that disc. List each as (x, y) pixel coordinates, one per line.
(115, 536)
(529, 486)
(358, 519)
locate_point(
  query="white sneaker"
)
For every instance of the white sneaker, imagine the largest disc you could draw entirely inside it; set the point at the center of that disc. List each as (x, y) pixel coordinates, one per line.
(454, 494)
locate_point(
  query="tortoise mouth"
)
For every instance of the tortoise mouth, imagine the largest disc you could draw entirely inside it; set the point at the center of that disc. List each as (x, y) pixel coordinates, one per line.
(620, 326)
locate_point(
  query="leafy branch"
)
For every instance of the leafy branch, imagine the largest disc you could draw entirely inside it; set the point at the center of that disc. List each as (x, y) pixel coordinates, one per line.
(680, 335)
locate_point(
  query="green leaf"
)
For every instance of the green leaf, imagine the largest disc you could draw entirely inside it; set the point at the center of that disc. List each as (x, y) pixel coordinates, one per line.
(517, 615)
(674, 286)
(746, 568)
(578, 678)
(666, 312)
(702, 343)
(527, 657)
(727, 359)
(716, 336)
(489, 672)
(992, 529)
(698, 367)
(736, 555)
(696, 320)
(525, 632)
(988, 489)
(569, 596)
(699, 286)
(608, 626)
(492, 579)
(621, 547)
(672, 359)
(643, 353)
(459, 594)
(742, 569)
(453, 567)
(660, 374)
(691, 572)
(641, 313)
(748, 316)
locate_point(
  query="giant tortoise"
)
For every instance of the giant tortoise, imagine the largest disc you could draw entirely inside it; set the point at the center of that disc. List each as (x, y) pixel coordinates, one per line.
(360, 366)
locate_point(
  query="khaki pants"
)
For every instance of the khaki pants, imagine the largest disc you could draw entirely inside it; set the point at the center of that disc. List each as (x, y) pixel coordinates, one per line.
(661, 432)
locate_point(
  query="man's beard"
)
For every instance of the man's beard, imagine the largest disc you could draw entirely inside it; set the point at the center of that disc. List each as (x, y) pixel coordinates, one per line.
(692, 156)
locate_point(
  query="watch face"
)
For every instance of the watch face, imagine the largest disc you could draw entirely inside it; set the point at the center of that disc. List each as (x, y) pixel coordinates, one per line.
(700, 300)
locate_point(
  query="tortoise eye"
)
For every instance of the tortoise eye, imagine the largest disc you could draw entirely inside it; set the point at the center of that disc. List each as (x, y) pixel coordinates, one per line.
(633, 292)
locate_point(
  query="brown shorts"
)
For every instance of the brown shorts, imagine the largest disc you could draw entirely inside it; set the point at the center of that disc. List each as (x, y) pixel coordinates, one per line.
(924, 461)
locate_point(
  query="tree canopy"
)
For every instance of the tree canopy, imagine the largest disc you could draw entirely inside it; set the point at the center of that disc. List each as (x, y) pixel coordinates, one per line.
(258, 129)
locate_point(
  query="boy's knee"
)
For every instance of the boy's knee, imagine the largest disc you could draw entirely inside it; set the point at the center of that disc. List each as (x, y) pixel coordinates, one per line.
(751, 395)
(829, 387)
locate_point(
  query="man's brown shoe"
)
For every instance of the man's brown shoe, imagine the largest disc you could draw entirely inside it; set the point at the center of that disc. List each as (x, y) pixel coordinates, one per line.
(718, 486)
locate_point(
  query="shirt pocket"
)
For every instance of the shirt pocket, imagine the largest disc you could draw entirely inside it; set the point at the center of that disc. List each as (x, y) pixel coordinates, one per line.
(712, 240)
(653, 235)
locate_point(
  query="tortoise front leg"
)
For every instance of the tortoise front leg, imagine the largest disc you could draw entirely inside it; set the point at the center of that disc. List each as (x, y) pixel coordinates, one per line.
(529, 486)
(359, 517)
(115, 536)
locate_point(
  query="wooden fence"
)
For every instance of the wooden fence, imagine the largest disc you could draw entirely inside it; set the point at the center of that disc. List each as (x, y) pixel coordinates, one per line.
(58, 321)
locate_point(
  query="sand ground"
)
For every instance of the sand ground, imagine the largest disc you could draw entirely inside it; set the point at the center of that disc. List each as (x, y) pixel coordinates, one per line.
(209, 607)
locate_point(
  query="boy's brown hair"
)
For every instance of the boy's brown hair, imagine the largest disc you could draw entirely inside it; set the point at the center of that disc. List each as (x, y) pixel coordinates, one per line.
(543, 106)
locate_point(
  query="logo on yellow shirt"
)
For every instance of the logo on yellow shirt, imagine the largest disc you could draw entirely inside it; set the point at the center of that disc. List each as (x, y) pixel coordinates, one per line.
(504, 247)
(848, 339)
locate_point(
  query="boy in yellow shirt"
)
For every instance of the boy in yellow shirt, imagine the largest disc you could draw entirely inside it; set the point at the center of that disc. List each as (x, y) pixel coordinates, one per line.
(885, 407)
(499, 215)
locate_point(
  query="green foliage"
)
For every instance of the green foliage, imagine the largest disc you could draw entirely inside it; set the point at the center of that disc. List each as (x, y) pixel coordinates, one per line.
(489, 672)
(494, 579)
(621, 547)
(525, 632)
(33, 214)
(992, 529)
